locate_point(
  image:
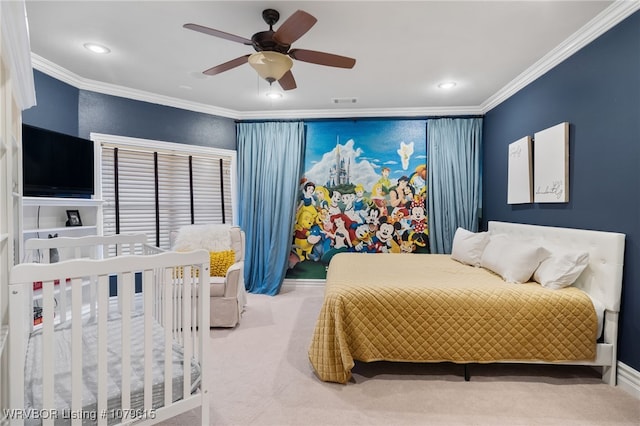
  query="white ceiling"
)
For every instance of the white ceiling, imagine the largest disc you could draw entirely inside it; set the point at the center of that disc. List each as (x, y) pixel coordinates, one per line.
(403, 50)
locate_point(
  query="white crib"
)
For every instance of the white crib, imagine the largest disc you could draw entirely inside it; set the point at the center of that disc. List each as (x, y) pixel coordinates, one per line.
(134, 357)
(38, 250)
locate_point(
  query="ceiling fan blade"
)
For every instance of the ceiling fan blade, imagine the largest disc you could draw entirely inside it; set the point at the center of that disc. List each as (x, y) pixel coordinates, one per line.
(227, 65)
(322, 58)
(287, 82)
(294, 27)
(217, 33)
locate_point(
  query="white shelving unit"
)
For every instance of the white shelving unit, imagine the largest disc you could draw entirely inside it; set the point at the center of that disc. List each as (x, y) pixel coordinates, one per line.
(44, 216)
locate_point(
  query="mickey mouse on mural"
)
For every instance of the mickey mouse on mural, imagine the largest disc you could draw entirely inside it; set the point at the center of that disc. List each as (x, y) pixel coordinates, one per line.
(383, 239)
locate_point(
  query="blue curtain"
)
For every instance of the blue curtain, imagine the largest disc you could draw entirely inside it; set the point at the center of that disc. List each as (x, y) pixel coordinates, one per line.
(454, 170)
(269, 162)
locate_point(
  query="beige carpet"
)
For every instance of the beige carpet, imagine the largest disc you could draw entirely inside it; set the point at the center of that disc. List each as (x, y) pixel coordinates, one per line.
(260, 375)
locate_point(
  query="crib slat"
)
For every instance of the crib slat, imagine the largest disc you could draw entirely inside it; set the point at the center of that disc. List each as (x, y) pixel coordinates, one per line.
(21, 314)
(126, 341)
(186, 334)
(62, 296)
(76, 349)
(158, 279)
(168, 338)
(119, 290)
(93, 282)
(147, 291)
(48, 366)
(177, 295)
(203, 344)
(103, 307)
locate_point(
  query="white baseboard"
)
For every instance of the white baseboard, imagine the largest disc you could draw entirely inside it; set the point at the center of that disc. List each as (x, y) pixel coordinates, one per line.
(629, 380)
(296, 282)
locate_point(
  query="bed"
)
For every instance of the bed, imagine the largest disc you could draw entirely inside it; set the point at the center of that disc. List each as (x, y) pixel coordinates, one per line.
(432, 308)
(79, 354)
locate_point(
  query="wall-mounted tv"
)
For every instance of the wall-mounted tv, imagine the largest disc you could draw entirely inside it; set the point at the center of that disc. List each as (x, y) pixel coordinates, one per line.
(55, 164)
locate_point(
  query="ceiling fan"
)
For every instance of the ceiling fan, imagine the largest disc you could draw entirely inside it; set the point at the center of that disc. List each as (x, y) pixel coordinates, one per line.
(272, 59)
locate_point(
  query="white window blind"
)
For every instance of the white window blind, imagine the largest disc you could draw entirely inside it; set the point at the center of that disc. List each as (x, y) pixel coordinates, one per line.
(135, 208)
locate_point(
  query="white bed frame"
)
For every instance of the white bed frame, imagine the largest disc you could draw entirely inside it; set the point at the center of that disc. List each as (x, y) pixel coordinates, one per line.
(602, 279)
(81, 291)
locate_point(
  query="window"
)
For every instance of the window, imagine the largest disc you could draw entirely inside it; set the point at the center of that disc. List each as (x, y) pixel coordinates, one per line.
(162, 186)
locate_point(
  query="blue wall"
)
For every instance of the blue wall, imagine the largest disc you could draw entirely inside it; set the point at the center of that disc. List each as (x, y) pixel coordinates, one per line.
(120, 116)
(56, 106)
(66, 109)
(596, 90)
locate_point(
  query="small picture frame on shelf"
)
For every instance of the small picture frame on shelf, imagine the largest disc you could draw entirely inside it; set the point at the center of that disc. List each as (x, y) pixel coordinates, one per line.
(73, 218)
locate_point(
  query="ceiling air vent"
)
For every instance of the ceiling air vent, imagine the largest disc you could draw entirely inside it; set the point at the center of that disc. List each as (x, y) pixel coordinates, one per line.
(344, 100)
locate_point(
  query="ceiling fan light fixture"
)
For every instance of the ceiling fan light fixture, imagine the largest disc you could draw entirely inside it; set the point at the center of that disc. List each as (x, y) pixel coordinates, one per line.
(270, 65)
(274, 94)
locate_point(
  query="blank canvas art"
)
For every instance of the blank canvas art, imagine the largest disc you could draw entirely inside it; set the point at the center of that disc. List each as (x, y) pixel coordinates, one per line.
(551, 164)
(519, 183)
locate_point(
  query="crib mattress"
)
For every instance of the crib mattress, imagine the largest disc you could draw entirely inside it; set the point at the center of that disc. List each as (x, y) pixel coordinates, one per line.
(430, 308)
(62, 362)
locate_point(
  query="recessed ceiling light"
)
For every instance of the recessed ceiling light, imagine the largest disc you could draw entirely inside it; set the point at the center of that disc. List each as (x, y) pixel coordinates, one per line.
(96, 48)
(274, 94)
(447, 85)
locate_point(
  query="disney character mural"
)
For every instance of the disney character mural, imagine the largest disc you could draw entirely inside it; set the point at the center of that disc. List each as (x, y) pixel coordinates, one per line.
(363, 190)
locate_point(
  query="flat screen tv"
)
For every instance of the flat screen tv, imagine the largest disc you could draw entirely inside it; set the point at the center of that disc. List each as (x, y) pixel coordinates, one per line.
(55, 164)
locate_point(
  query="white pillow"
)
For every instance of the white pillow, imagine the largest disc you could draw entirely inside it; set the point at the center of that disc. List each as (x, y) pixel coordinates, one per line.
(561, 269)
(468, 246)
(514, 260)
(212, 237)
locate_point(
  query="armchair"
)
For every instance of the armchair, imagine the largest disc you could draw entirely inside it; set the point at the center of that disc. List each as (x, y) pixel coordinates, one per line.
(227, 293)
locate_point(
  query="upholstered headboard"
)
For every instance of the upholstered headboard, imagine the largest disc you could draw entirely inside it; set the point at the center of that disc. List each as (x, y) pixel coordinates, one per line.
(602, 279)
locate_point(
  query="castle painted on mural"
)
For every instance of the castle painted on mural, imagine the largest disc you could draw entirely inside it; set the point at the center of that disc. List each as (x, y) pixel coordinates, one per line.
(339, 173)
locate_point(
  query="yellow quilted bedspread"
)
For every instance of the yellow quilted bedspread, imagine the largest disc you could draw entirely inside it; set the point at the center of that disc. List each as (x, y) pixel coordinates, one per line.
(430, 308)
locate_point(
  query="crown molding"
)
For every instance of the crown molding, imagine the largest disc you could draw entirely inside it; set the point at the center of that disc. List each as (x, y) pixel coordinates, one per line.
(66, 76)
(363, 112)
(604, 21)
(608, 18)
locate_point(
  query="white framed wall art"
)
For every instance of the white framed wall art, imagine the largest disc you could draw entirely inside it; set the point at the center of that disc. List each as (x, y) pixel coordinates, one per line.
(551, 164)
(520, 182)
